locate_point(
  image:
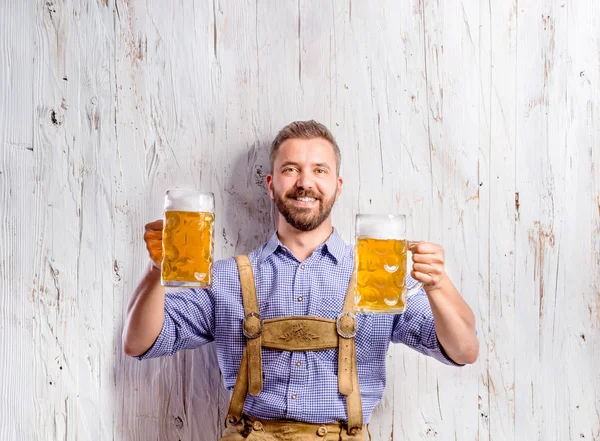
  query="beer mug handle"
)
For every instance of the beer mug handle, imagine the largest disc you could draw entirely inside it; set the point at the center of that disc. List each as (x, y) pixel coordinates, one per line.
(419, 285)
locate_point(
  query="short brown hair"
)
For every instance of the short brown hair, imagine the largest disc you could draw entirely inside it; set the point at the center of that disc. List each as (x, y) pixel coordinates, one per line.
(305, 130)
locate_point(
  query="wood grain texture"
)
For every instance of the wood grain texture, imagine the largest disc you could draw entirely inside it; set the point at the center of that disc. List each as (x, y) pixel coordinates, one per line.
(479, 120)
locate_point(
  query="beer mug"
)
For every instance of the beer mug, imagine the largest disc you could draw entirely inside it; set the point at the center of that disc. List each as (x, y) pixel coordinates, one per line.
(188, 239)
(380, 258)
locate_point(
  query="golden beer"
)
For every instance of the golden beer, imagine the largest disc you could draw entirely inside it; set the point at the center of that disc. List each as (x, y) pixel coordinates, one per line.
(381, 275)
(188, 240)
(381, 264)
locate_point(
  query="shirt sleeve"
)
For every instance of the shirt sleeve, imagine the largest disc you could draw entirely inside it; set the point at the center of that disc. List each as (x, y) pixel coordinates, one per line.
(415, 328)
(189, 323)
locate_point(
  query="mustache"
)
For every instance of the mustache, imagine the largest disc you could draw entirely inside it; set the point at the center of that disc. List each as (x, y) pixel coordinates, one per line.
(301, 193)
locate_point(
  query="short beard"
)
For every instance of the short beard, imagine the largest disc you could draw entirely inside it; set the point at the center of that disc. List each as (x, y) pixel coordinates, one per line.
(303, 219)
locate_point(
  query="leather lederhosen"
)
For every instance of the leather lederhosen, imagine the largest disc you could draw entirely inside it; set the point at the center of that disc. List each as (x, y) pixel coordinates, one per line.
(295, 333)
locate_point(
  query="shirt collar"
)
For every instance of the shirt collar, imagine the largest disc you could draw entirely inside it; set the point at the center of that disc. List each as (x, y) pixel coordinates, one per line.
(334, 245)
(270, 247)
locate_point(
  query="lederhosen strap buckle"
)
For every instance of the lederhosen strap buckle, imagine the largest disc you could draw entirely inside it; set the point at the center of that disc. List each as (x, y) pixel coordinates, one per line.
(250, 327)
(346, 328)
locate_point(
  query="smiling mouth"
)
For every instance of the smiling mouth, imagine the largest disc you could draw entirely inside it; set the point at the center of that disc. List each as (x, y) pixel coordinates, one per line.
(304, 202)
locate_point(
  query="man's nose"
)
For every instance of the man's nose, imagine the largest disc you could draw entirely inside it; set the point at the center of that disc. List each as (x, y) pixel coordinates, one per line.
(305, 181)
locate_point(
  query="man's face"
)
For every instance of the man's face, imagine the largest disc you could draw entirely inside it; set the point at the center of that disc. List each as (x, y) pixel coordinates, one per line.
(304, 182)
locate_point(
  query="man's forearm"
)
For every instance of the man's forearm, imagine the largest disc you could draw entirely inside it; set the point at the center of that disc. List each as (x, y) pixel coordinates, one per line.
(145, 314)
(454, 322)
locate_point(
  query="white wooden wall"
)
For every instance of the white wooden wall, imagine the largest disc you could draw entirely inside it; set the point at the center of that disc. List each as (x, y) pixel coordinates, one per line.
(479, 119)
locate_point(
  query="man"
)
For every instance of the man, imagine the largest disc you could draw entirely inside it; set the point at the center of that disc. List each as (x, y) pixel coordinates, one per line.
(301, 274)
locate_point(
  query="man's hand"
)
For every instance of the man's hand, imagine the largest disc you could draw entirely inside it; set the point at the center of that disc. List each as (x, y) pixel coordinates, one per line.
(153, 238)
(428, 264)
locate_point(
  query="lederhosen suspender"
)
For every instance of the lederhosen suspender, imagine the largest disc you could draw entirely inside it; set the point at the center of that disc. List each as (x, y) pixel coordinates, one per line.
(295, 333)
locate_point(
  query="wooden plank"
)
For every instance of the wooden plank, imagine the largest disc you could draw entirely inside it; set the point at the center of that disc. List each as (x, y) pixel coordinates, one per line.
(578, 309)
(454, 391)
(540, 185)
(19, 227)
(499, 183)
(75, 333)
(482, 314)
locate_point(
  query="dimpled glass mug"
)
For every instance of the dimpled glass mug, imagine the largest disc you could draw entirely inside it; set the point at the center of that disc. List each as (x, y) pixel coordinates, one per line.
(380, 264)
(188, 239)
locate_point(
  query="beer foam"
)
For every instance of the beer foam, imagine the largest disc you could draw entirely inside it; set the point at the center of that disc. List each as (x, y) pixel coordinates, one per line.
(380, 227)
(189, 200)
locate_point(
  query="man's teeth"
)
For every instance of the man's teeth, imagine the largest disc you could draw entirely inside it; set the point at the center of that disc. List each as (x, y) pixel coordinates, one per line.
(306, 199)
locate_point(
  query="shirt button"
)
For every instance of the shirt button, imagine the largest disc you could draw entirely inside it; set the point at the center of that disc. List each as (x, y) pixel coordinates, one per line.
(300, 298)
(302, 266)
(322, 431)
(257, 425)
(298, 364)
(294, 397)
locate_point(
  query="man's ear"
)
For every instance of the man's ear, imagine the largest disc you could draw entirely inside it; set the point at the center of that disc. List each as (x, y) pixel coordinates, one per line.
(269, 181)
(340, 182)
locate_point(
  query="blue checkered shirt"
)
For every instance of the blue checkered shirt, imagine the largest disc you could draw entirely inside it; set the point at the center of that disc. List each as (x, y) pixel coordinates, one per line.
(301, 386)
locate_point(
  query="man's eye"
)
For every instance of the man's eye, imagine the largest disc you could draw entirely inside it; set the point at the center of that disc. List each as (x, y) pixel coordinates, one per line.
(321, 170)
